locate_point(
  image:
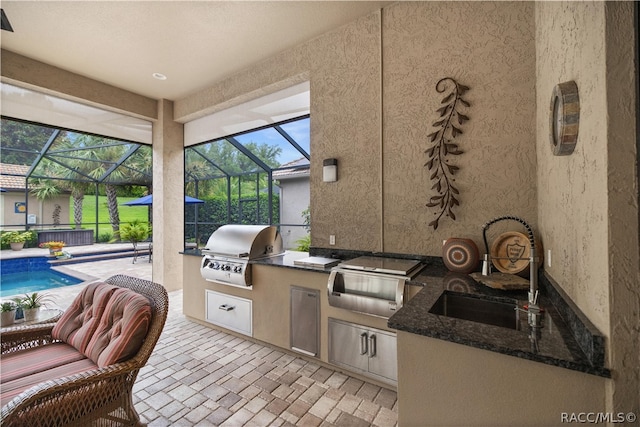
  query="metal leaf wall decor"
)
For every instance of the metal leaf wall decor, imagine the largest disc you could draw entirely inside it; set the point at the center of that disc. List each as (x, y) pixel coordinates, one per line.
(442, 148)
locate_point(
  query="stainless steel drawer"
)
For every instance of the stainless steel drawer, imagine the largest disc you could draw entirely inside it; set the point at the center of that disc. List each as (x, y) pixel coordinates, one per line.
(229, 311)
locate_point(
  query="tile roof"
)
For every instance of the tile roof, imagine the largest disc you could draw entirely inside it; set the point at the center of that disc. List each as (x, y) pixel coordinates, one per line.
(12, 177)
(294, 169)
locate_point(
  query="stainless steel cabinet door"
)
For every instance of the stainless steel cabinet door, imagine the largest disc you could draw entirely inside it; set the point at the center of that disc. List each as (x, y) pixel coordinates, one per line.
(383, 355)
(370, 351)
(305, 320)
(348, 345)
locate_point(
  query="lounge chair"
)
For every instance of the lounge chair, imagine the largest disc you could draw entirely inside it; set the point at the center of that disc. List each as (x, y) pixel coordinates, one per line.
(81, 370)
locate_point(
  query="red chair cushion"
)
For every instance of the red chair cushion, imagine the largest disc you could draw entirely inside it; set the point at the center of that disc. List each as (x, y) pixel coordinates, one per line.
(34, 360)
(122, 328)
(80, 321)
(12, 388)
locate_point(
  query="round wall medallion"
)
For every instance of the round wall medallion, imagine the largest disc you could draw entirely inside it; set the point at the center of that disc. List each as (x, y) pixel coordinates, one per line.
(564, 118)
(460, 255)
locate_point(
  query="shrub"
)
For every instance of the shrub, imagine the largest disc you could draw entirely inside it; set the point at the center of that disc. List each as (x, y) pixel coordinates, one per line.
(105, 237)
(134, 232)
(304, 243)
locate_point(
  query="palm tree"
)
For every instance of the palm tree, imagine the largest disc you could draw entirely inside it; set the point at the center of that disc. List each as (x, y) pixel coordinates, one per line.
(67, 160)
(112, 171)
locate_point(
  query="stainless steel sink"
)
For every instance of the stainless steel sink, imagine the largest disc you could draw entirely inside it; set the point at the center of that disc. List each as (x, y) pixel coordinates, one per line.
(481, 310)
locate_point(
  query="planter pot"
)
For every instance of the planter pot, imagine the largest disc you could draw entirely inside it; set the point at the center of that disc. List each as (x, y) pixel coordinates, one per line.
(7, 318)
(52, 251)
(31, 314)
(17, 246)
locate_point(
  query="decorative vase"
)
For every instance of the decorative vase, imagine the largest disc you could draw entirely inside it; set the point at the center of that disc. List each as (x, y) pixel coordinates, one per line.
(8, 317)
(16, 246)
(31, 314)
(460, 255)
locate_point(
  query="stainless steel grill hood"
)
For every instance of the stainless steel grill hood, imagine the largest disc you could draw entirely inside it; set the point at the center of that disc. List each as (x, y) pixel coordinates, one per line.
(231, 247)
(244, 241)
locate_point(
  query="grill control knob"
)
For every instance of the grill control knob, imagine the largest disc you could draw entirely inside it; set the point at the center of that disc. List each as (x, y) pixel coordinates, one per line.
(237, 269)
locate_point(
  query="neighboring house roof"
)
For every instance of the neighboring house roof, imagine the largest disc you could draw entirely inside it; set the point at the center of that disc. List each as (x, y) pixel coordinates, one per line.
(12, 177)
(296, 169)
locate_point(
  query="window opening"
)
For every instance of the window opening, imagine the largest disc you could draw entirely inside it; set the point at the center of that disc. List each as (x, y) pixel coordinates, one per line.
(44, 165)
(242, 178)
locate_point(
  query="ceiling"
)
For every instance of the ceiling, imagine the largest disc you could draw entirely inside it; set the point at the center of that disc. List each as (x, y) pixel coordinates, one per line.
(193, 43)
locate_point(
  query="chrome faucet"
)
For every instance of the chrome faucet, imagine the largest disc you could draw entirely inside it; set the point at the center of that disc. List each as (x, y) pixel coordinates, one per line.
(533, 309)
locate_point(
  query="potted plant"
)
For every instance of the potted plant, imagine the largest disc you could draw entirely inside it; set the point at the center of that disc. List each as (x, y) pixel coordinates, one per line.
(16, 239)
(53, 246)
(31, 304)
(8, 313)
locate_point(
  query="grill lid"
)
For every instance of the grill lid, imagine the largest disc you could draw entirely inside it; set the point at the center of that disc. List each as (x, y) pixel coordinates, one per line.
(245, 241)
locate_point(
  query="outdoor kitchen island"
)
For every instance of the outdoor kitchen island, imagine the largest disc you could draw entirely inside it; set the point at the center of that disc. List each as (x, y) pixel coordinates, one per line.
(448, 372)
(269, 297)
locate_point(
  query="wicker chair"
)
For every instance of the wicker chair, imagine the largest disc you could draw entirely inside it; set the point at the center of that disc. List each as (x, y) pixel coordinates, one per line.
(101, 396)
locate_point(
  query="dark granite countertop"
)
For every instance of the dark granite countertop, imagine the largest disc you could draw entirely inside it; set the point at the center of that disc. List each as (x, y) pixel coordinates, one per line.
(287, 260)
(555, 342)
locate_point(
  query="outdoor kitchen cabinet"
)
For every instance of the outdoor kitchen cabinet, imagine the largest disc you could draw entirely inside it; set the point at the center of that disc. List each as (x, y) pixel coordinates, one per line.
(305, 320)
(229, 311)
(369, 351)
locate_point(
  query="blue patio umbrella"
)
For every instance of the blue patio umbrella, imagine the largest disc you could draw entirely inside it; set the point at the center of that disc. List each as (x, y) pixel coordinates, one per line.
(148, 201)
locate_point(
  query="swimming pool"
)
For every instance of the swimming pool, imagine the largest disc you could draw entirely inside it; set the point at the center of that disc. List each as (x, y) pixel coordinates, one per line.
(22, 275)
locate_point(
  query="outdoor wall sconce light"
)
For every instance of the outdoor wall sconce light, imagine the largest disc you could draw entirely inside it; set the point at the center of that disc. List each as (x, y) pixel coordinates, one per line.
(330, 170)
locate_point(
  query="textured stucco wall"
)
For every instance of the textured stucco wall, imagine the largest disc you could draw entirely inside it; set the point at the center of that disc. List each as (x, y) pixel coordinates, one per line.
(623, 211)
(572, 189)
(168, 214)
(373, 112)
(345, 124)
(588, 201)
(343, 68)
(490, 48)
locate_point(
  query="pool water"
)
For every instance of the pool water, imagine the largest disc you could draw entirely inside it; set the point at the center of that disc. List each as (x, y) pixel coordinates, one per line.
(35, 276)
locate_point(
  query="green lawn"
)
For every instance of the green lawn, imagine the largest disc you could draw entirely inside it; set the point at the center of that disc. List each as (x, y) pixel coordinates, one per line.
(127, 213)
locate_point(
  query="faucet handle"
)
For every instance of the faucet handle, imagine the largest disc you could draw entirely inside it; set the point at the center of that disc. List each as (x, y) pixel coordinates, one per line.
(533, 299)
(486, 265)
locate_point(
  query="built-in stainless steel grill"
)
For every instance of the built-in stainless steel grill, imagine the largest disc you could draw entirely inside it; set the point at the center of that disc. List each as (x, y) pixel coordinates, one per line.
(231, 247)
(372, 285)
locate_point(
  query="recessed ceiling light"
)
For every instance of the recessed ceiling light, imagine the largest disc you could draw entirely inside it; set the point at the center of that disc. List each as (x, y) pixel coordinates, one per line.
(159, 76)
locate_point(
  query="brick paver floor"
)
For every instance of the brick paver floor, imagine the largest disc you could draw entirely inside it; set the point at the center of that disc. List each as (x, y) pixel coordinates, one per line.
(200, 376)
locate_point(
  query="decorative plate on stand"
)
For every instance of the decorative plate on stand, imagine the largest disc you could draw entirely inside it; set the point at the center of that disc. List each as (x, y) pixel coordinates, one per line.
(510, 253)
(460, 255)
